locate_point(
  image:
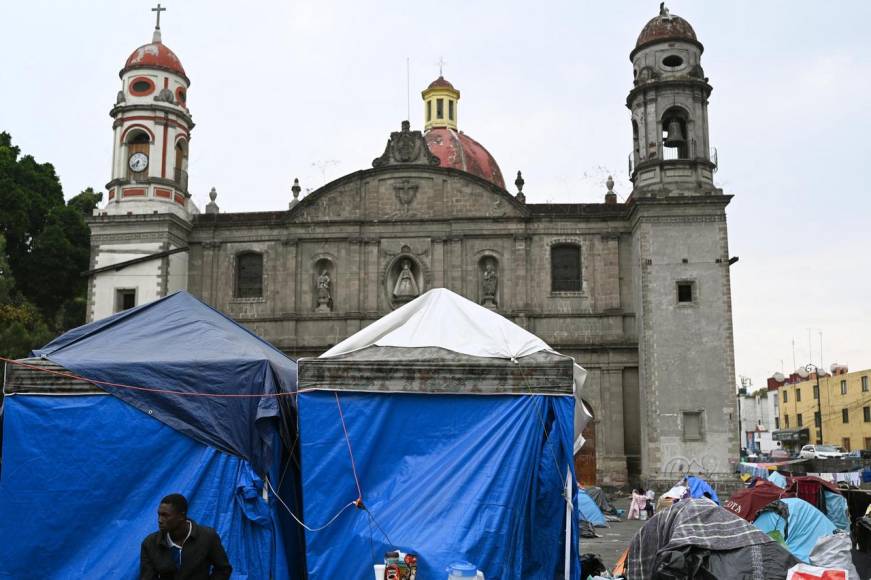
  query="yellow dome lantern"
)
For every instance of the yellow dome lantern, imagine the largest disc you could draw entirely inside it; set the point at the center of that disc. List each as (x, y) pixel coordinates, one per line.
(440, 105)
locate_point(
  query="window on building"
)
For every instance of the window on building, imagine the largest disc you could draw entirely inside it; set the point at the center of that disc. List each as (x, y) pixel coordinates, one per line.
(866, 414)
(125, 299)
(819, 437)
(440, 108)
(845, 415)
(428, 111)
(868, 443)
(818, 422)
(786, 421)
(798, 420)
(565, 268)
(798, 395)
(451, 110)
(692, 426)
(864, 384)
(777, 422)
(816, 392)
(249, 275)
(845, 443)
(685, 292)
(843, 387)
(785, 397)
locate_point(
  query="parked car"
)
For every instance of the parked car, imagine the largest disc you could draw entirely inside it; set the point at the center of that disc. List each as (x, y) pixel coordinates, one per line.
(860, 454)
(779, 455)
(822, 452)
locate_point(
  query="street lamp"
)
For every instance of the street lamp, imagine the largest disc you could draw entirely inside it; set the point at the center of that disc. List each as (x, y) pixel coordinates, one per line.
(816, 370)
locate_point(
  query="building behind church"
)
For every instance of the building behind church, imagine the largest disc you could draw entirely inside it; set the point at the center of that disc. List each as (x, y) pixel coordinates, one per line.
(638, 292)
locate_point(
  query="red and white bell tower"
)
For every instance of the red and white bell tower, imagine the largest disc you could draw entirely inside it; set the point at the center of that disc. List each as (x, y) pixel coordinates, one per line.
(152, 128)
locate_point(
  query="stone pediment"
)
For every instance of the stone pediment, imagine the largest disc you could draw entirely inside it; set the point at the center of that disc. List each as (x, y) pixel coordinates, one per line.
(406, 147)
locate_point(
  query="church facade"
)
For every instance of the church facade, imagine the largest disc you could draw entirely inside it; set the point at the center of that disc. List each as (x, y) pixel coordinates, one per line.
(637, 292)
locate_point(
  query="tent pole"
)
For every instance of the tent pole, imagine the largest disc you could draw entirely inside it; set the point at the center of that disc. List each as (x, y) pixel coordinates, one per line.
(568, 497)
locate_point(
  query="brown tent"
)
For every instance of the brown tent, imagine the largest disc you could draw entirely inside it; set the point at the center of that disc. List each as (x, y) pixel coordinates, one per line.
(746, 503)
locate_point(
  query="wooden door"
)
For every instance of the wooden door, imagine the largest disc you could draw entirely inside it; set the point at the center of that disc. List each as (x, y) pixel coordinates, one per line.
(585, 459)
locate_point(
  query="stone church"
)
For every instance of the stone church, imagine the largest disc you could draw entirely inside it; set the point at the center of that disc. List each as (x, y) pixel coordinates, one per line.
(638, 292)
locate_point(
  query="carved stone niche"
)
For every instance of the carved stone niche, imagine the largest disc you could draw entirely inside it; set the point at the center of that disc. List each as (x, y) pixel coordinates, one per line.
(404, 279)
(324, 279)
(488, 276)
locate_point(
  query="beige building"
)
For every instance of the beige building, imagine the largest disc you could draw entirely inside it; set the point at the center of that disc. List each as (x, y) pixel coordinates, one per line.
(835, 409)
(638, 292)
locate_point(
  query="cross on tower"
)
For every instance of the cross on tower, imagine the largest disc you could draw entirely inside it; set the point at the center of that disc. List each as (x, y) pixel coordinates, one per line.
(158, 10)
(442, 62)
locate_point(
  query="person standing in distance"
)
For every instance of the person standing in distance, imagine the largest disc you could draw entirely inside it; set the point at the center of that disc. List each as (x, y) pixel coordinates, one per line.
(181, 549)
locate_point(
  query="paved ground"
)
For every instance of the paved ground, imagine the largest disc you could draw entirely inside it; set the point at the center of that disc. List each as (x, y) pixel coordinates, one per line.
(614, 539)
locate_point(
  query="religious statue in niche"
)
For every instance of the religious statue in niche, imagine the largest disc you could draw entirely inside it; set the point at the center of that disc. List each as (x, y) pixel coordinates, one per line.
(325, 298)
(489, 285)
(406, 287)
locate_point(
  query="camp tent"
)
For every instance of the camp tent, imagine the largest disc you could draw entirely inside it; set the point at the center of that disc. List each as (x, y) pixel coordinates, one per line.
(698, 487)
(747, 502)
(85, 462)
(453, 428)
(801, 526)
(589, 511)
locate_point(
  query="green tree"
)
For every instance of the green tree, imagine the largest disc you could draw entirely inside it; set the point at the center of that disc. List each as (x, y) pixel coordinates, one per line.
(86, 202)
(21, 325)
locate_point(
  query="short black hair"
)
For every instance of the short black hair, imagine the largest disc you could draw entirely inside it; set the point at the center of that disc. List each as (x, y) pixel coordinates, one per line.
(177, 501)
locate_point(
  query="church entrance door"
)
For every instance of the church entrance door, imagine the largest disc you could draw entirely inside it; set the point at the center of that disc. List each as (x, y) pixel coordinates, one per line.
(585, 459)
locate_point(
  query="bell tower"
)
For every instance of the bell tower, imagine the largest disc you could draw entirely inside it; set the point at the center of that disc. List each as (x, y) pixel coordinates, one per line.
(151, 133)
(139, 240)
(671, 152)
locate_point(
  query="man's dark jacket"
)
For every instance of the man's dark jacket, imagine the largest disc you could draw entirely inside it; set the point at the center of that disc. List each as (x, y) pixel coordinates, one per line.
(202, 557)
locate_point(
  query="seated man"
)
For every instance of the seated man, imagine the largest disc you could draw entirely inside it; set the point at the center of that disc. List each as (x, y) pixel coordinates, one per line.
(181, 549)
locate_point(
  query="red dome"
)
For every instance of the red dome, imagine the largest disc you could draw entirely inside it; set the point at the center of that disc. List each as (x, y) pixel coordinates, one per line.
(441, 82)
(459, 151)
(666, 28)
(154, 55)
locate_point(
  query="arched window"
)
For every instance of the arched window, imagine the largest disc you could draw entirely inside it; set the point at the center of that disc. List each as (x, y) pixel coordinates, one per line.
(675, 138)
(138, 142)
(565, 268)
(249, 275)
(181, 163)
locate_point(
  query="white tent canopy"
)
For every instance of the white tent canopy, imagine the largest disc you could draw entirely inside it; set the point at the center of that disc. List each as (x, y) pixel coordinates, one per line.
(441, 318)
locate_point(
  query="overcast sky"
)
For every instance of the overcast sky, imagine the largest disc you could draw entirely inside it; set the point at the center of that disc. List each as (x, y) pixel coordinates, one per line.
(312, 90)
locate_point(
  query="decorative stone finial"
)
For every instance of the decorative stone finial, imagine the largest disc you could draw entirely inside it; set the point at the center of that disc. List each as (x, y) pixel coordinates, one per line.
(295, 189)
(519, 183)
(212, 207)
(610, 196)
(663, 11)
(159, 9)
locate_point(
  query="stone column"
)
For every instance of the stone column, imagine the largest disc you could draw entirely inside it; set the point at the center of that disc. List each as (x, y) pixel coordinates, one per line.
(611, 451)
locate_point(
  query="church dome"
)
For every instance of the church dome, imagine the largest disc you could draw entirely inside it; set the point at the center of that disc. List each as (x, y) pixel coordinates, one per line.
(441, 82)
(459, 151)
(154, 55)
(666, 26)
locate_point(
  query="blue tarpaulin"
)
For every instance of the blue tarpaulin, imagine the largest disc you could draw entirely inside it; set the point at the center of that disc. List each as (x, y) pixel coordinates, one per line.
(777, 479)
(447, 477)
(588, 509)
(178, 343)
(807, 524)
(83, 474)
(698, 487)
(82, 477)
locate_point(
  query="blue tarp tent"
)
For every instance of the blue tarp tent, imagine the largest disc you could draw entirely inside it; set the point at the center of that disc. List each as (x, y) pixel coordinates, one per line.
(801, 530)
(83, 472)
(698, 487)
(589, 510)
(454, 428)
(777, 479)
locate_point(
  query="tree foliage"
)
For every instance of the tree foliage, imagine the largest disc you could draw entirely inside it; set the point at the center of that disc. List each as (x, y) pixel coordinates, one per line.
(46, 247)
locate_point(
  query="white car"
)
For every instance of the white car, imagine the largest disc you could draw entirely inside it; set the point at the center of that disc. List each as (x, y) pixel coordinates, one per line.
(822, 452)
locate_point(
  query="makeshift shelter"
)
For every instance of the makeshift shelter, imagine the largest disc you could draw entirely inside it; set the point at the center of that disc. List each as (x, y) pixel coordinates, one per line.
(823, 495)
(450, 429)
(589, 511)
(777, 479)
(696, 538)
(171, 396)
(798, 522)
(698, 488)
(747, 503)
(601, 500)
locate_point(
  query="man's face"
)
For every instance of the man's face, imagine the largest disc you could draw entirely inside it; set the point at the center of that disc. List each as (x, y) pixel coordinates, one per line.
(168, 519)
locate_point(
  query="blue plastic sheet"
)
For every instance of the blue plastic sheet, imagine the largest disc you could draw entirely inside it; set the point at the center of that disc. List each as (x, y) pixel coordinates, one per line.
(806, 525)
(777, 479)
(589, 510)
(698, 487)
(447, 477)
(82, 478)
(181, 344)
(836, 510)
